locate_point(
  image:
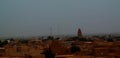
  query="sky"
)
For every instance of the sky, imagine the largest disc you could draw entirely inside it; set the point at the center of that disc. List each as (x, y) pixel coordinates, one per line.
(58, 17)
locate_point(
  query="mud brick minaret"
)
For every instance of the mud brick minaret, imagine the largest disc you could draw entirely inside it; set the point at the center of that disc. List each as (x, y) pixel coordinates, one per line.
(79, 33)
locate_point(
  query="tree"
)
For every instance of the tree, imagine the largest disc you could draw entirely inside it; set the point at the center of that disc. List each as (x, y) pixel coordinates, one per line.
(73, 38)
(3, 43)
(50, 37)
(0, 43)
(11, 39)
(57, 38)
(82, 39)
(24, 41)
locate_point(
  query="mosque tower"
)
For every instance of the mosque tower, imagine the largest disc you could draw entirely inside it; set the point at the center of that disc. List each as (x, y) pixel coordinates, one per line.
(79, 33)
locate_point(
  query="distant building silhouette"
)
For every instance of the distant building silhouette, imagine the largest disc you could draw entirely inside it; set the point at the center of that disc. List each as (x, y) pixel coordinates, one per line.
(79, 33)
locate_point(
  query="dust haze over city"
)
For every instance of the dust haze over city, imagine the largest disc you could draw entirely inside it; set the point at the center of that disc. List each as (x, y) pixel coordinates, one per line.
(34, 18)
(59, 29)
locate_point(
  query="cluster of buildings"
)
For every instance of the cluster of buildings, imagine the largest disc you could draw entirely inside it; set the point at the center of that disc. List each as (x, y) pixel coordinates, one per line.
(33, 48)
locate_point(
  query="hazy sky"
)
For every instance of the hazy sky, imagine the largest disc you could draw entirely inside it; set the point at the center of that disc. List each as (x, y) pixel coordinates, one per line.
(38, 17)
